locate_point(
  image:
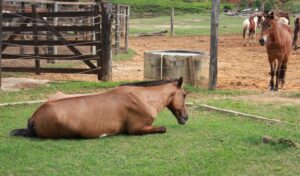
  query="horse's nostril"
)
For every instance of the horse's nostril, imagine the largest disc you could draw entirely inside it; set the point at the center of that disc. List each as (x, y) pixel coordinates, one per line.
(262, 41)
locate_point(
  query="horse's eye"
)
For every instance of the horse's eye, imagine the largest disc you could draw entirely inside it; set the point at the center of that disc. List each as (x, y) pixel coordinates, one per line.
(270, 25)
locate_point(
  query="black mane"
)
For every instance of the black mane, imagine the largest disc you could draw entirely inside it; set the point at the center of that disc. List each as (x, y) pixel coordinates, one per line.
(150, 83)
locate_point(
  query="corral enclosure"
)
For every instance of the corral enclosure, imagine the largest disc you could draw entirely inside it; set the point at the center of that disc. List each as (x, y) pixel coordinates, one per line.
(67, 31)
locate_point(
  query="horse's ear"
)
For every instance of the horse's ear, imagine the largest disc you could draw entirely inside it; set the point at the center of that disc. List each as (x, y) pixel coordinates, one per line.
(180, 82)
(272, 16)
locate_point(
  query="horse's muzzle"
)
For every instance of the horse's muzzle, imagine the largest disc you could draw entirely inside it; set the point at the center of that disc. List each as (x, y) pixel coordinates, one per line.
(182, 119)
(262, 42)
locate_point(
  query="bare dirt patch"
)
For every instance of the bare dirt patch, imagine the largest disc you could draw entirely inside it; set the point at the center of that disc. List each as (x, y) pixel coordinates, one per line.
(239, 67)
(15, 84)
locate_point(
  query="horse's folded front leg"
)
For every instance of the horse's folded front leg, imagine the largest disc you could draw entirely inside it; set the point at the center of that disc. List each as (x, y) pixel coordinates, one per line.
(148, 130)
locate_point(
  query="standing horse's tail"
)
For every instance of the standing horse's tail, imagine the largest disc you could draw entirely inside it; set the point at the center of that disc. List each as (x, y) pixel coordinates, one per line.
(28, 132)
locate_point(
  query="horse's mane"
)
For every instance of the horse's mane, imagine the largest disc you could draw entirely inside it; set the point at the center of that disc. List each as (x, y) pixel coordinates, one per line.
(150, 83)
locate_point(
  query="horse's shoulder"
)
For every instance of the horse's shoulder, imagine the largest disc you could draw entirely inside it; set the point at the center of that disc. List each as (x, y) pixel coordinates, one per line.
(136, 101)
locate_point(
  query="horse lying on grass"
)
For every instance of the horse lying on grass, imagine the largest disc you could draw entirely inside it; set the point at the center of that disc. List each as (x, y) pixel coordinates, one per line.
(130, 108)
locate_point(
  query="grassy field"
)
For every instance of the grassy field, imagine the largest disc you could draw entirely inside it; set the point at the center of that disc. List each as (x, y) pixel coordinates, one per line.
(209, 144)
(158, 6)
(188, 24)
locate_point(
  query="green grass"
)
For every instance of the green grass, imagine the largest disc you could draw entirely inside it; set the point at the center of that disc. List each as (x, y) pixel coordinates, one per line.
(290, 113)
(125, 56)
(187, 24)
(64, 64)
(43, 92)
(158, 6)
(226, 99)
(210, 143)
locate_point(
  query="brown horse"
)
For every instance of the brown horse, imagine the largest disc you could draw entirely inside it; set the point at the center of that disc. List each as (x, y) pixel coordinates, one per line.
(278, 40)
(130, 108)
(296, 31)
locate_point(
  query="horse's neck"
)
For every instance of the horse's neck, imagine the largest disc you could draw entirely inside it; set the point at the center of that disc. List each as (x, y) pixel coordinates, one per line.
(274, 36)
(158, 96)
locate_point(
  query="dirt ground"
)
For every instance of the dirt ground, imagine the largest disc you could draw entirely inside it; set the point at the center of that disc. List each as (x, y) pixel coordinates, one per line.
(239, 67)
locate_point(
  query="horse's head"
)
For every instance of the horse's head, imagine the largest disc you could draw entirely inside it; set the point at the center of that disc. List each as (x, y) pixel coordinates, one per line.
(260, 19)
(267, 27)
(176, 103)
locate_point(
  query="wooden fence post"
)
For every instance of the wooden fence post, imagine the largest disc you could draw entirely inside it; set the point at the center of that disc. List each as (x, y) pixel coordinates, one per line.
(127, 14)
(36, 40)
(0, 43)
(98, 39)
(49, 49)
(106, 23)
(172, 21)
(22, 49)
(55, 20)
(213, 67)
(117, 29)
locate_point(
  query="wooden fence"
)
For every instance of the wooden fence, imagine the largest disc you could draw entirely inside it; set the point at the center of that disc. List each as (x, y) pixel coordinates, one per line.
(36, 22)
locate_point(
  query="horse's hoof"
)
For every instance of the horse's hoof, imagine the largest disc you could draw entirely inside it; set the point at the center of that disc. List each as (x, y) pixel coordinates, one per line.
(162, 129)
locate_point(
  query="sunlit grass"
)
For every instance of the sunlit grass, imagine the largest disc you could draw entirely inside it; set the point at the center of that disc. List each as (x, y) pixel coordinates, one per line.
(188, 24)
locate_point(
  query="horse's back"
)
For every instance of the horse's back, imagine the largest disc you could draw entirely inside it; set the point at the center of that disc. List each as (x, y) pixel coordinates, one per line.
(86, 116)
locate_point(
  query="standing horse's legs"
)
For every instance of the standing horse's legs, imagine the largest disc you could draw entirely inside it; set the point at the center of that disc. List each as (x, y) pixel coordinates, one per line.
(244, 35)
(147, 130)
(278, 70)
(249, 36)
(272, 73)
(283, 71)
(253, 37)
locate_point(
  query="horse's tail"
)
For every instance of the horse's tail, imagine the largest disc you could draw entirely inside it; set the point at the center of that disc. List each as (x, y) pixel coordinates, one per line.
(28, 132)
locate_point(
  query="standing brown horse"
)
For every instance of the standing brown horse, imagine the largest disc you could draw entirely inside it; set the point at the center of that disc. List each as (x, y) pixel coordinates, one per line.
(130, 108)
(278, 40)
(296, 31)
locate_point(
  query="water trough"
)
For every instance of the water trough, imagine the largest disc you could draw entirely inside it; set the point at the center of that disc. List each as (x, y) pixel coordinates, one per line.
(193, 66)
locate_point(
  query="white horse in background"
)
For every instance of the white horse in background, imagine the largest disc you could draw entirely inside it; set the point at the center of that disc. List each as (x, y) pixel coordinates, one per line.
(283, 20)
(250, 25)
